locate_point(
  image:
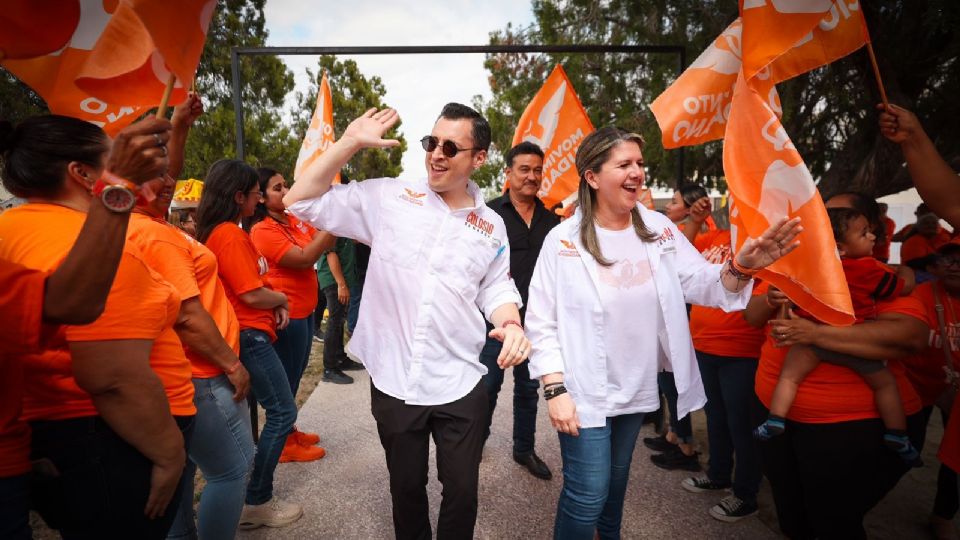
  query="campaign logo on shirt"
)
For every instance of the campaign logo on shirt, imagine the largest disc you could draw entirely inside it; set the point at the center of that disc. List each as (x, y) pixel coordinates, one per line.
(666, 241)
(262, 266)
(412, 197)
(625, 274)
(568, 249)
(479, 224)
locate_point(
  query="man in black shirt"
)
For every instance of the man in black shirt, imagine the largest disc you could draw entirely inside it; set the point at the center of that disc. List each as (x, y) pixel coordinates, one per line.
(527, 222)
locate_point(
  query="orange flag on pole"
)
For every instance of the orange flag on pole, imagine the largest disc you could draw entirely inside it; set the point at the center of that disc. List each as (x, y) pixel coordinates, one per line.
(695, 108)
(556, 122)
(769, 180)
(765, 172)
(27, 28)
(118, 58)
(319, 135)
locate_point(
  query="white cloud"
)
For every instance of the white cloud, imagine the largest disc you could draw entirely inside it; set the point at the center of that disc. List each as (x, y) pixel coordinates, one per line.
(417, 85)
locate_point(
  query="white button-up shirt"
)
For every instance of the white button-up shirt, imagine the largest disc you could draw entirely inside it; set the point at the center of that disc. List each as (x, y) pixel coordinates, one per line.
(420, 331)
(566, 320)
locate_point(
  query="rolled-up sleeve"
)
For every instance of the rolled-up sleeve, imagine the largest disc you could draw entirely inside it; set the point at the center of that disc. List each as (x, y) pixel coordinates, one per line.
(350, 211)
(542, 315)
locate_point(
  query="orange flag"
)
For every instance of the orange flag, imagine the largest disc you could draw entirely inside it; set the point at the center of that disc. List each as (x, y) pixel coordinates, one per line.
(319, 134)
(695, 108)
(27, 29)
(765, 173)
(556, 122)
(118, 58)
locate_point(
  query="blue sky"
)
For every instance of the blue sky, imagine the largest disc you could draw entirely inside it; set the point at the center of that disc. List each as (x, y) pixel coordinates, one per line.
(417, 85)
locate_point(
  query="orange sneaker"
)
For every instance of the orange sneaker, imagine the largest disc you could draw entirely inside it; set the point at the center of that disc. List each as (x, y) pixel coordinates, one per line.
(304, 438)
(294, 452)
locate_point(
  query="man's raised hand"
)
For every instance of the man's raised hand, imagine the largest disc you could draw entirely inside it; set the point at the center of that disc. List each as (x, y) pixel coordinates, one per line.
(367, 131)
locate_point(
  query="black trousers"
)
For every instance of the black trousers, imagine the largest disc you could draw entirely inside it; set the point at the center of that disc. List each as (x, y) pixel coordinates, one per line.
(457, 430)
(94, 485)
(947, 501)
(826, 477)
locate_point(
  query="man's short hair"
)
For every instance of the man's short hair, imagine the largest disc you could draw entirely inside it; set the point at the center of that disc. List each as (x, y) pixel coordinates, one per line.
(522, 149)
(481, 129)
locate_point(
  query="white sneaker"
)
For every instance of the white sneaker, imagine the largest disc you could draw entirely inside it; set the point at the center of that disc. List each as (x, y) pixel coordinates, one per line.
(275, 513)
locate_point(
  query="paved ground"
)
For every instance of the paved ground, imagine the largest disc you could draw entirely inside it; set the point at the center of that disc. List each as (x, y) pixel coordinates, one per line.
(346, 494)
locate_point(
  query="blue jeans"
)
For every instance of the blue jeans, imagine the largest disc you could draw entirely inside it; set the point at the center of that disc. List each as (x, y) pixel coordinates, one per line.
(732, 405)
(15, 508)
(596, 467)
(293, 347)
(525, 397)
(222, 445)
(271, 389)
(682, 428)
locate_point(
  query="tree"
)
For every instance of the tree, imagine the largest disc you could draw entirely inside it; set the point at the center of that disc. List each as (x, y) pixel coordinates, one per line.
(828, 113)
(17, 100)
(353, 94)
(266, 82)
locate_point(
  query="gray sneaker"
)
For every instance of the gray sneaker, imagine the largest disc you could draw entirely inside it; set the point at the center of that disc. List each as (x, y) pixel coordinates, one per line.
(274, 513)
(733, 508)
(336, 376)
(702, 484)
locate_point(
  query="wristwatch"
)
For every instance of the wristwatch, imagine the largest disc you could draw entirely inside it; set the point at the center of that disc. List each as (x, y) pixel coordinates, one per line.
(117, 194)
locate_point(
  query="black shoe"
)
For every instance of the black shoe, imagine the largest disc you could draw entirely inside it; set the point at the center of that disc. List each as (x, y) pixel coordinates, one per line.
(350, 365)
(672, 461)
(659, 444)
(534, 464)
(336, 376)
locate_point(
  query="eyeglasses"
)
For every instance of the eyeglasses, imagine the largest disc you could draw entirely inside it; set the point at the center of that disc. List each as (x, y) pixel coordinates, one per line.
(947, 262)
(449, 148)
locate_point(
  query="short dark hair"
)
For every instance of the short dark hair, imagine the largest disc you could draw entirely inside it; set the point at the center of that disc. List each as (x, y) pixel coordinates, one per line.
(840, 219)
(522, 149)
(691, 193)
(870, 208)
(481, 128)
(36, 152)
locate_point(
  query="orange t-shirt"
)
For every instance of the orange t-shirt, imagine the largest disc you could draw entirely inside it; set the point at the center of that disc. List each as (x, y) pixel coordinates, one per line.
(241, 269)
(141, 305)
(190, 267)
(21, 303)
(831, 393)
(715, 331)
(925, 370)
(273, 240)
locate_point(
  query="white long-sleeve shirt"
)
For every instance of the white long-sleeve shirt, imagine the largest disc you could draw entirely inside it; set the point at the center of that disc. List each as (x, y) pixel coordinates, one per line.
(420, 331)
(567, 321)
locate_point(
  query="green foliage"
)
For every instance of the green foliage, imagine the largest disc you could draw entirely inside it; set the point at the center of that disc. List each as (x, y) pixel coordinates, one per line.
(828, 113)
(17, 100)
(353, 94)
(266, 82)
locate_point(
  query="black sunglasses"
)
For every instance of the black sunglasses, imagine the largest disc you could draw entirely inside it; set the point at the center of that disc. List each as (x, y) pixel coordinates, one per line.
(448, 148)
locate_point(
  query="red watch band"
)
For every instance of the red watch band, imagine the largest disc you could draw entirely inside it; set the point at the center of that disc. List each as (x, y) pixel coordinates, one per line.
(111, 179)
(509, 322)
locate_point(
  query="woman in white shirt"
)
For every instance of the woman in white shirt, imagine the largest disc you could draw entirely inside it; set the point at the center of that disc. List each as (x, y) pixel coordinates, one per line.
(606, 311)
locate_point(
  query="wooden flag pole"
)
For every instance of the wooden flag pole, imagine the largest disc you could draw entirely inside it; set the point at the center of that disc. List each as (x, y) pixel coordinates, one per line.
(784, 312)
(162, 109)
(876, 73)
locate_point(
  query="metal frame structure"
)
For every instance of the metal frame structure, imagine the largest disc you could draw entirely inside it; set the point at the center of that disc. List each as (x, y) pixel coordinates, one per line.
(237, 52)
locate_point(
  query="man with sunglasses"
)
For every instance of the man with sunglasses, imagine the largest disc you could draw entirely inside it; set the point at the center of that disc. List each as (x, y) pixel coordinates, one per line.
(438, 254)
(528, 221)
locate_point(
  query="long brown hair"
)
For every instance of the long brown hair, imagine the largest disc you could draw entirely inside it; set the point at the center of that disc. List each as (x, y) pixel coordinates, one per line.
(593, 153)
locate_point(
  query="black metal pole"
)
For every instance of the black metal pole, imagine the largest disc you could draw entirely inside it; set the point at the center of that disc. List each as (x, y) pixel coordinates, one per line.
(462, 49)
(238, 116)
